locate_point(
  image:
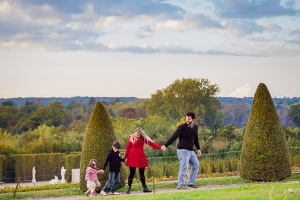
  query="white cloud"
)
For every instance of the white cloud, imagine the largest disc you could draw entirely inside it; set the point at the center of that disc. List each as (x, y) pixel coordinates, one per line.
(105, 22)
(189, 22)
(243, 91)
(254, 48)
(271, 27)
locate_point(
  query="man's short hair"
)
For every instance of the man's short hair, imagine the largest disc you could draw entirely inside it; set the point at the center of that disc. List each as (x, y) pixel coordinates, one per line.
(191, 114)
(116, 144)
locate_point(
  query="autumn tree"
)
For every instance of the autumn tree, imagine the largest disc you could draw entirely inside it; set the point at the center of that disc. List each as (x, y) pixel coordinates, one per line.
(227, 132)
(28, 108)
(236, 114)
(8, 103)
(98, 140)
(283, 114)
(294, 114)
(123, 127)
(186, 95)
(7, 113)
(57, 114)
(32, 120)
(128, 113)
(92, 101)
(116, 108)
(264, 156)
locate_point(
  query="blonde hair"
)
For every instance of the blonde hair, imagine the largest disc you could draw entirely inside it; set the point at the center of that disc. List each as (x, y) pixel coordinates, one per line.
(140, 131)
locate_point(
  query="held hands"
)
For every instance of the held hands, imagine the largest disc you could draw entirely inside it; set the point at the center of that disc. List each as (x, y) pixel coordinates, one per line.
(163, 148)
(102, 171)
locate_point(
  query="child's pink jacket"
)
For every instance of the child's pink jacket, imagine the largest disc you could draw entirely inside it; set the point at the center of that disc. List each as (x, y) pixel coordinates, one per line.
(91, 174)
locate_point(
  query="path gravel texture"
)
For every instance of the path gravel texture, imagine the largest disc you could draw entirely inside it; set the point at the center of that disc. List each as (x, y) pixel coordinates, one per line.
(133, 193)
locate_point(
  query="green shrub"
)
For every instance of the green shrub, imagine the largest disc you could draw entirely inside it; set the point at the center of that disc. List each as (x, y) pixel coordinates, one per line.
(228, 165)
(264, 155)
(98, 140)
(220, 168)
(213, 169)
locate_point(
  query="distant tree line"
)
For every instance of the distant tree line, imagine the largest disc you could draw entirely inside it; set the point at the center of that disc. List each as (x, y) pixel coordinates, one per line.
(61, 127)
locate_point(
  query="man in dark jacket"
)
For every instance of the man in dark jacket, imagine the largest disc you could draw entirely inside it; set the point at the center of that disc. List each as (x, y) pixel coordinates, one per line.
(188, 137)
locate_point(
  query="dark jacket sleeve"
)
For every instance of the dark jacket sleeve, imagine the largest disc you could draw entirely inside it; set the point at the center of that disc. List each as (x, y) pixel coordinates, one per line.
(197, 140)
(106, 161)
(175, 135)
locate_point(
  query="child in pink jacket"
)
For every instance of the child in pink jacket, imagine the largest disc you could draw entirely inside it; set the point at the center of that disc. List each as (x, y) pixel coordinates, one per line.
(91, 177)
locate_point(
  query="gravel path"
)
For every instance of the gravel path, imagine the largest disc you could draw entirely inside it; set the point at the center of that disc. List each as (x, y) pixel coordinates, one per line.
(78, 197)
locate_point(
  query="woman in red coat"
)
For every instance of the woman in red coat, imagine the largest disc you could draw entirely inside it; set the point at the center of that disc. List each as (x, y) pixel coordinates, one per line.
(136, 158)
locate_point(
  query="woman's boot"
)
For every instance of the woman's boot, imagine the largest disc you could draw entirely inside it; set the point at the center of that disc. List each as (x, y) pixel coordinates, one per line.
(129, 186)
(128, 190)
(145, 189)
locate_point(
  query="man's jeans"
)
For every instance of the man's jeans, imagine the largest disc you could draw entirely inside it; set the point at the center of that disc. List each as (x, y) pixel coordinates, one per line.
(114, 179)
(187, 157)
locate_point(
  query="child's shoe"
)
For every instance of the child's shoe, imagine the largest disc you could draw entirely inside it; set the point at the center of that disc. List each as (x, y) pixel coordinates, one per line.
(103, 193)
(92, 194)
(87, 192)
(114, 193)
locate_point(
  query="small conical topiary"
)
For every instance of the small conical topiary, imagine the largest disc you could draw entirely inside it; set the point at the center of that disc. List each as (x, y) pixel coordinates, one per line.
(264, 156)
(98, 140)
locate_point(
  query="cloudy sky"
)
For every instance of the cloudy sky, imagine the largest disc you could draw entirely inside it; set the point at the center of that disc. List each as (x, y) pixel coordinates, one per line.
(131, 48)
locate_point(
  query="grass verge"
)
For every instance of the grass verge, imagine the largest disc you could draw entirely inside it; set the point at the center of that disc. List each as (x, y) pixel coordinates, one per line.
(232, 187)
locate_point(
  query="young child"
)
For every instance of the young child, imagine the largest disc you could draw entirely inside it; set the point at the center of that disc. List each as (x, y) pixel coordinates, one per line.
(91, 177)
(114, 160)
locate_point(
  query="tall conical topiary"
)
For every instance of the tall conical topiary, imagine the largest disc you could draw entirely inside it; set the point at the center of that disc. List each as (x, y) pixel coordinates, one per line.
(264, 155)
(98, 140)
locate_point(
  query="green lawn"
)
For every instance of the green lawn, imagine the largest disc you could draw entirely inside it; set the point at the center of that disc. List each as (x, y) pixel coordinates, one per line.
(212, 188)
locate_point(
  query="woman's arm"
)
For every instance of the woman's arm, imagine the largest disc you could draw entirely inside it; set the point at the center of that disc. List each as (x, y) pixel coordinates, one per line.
(128, 147)
(154, 145)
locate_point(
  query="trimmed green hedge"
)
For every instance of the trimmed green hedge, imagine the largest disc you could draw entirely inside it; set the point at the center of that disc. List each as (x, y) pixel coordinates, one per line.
(49, 165)
(168, 166)
(223, 155)
(46, 165)
(72, 162)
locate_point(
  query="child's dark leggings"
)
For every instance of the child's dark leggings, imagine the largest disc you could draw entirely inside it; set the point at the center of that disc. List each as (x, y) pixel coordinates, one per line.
(131, 175)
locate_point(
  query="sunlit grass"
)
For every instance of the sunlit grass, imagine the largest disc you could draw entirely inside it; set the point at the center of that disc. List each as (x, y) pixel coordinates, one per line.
(232, 187)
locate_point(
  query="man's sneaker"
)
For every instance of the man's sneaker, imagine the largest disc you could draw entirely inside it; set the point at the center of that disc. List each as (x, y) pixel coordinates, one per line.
(103, 193)
(114, 193)
(192, 186)
(182, 188)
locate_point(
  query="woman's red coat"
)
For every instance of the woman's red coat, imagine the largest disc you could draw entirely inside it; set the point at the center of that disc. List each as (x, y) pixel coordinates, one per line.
(135, 154)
